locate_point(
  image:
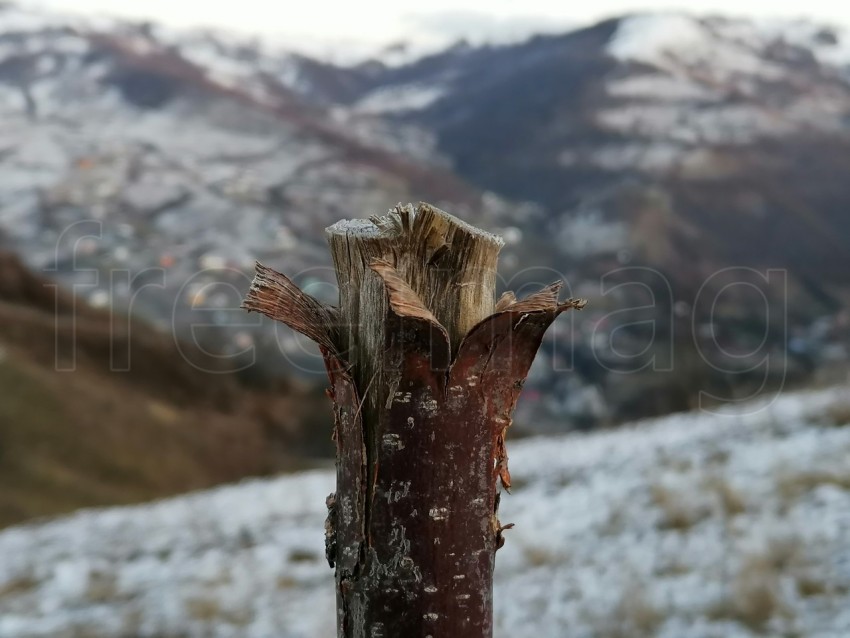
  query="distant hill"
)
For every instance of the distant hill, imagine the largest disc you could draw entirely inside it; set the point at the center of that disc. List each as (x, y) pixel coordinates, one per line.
(738, 129)
(74, 432)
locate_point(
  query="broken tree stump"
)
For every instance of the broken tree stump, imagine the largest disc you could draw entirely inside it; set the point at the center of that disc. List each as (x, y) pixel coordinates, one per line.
(425, 369)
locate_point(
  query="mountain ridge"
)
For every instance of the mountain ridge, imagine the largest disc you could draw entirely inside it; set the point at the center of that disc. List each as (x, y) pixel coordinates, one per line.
(652, 151)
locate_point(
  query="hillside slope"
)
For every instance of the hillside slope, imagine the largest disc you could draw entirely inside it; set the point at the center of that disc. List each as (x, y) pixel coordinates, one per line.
(732, 524)
(77, 429)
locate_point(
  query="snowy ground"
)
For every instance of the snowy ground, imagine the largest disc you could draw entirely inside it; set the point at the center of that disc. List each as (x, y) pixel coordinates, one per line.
(693, 526)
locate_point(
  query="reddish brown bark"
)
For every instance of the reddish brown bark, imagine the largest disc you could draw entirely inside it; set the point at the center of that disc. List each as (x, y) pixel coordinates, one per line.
(413, 526)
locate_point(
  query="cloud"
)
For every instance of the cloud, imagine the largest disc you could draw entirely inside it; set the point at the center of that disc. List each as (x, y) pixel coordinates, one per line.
(478, 26)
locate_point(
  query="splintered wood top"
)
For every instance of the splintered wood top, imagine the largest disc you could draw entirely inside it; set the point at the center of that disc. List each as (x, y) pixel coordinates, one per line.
(449, 264)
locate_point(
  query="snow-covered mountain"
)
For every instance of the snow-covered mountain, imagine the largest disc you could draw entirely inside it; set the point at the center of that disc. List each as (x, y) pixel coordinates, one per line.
(733, 524)
(150, 167)
(731, 123)
(180, 158)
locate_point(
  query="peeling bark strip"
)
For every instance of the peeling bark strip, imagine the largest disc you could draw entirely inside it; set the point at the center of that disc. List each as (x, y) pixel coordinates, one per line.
(425, 370)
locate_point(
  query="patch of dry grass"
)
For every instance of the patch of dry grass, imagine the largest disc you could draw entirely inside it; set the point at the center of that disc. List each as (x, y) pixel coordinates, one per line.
(731, 499)
(635, 615)
(810, 585)
(17, 586)
(538, 556)
(838, 413)
(615, 524)
(672, 566)
(639, 614)
(679, 509)
(102, 587)
(287, 582)
(303, 556)
(210, 610)
(755, 595)
(792, 483)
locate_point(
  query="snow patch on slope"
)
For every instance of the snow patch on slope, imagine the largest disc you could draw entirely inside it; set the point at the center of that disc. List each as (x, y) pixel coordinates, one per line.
(713, 84)
(657, 86)
(675, 42)
(736, 124)
(829, 45)
(397, 99)
(652, 38)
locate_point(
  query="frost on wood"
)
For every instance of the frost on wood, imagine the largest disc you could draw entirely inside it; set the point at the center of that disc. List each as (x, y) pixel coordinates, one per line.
(425, 370)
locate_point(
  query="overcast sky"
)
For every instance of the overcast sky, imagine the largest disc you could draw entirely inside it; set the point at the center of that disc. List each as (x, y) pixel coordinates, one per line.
(375, 22)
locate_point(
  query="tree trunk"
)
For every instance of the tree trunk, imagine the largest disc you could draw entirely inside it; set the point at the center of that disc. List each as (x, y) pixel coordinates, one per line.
(425, 370)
